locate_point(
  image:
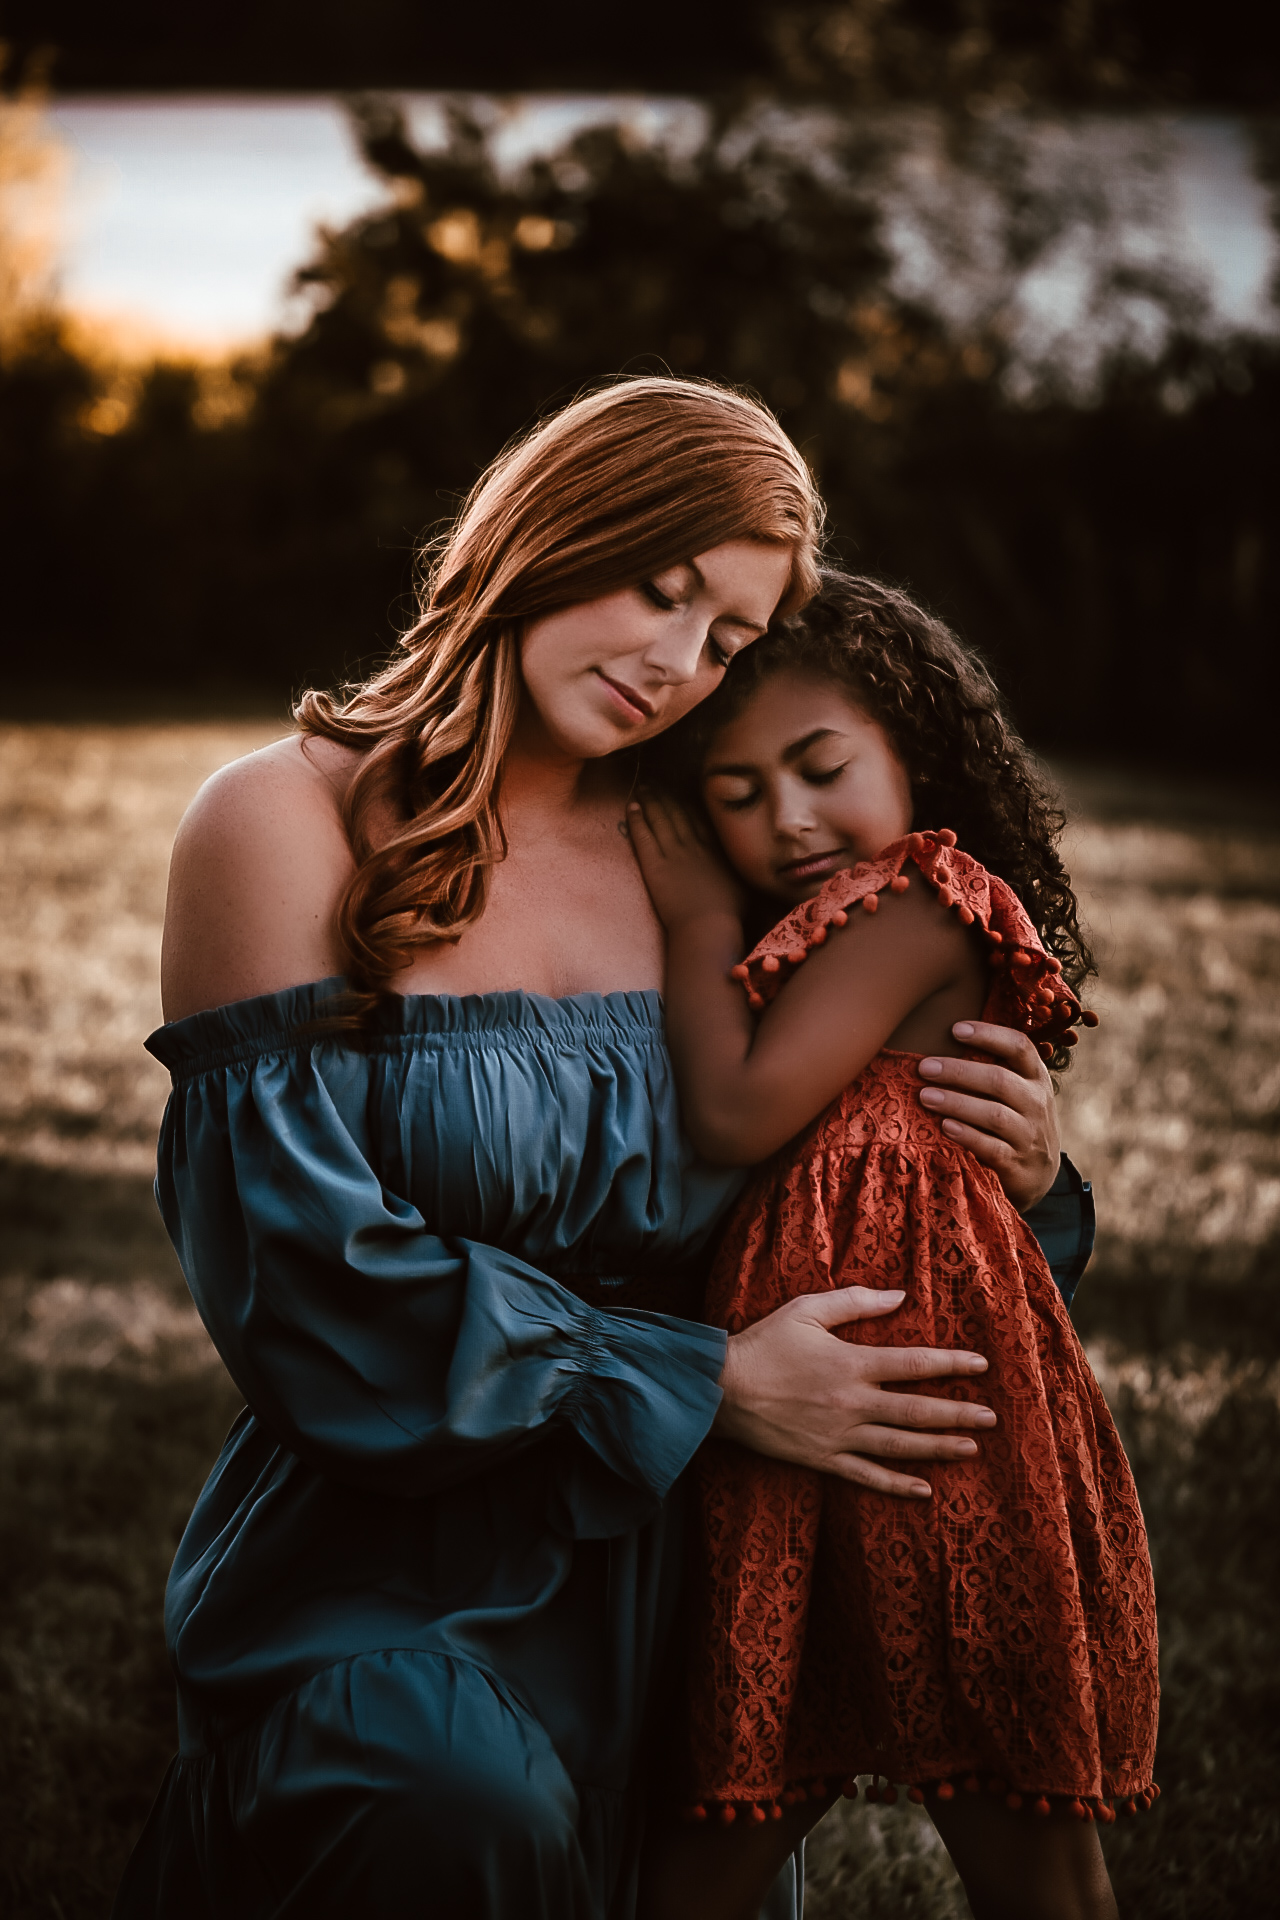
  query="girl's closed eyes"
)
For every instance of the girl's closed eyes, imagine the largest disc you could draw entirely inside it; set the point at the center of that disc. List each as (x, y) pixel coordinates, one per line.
(802, 782)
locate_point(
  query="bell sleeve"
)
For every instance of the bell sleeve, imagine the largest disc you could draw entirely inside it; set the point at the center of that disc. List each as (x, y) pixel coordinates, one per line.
(385, 1354)
(1065, 1224)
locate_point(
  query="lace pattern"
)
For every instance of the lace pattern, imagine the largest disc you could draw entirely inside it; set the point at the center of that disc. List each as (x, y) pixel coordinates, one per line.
(1005, 1627)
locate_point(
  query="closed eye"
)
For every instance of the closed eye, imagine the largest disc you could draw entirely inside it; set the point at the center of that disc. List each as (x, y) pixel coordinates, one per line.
(822, 776)
(655, 596)
(736, 802)
(722, 653)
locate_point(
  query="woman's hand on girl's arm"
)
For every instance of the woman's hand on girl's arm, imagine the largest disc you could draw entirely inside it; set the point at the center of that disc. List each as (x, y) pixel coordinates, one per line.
(1003, 1111)
(793, 1390)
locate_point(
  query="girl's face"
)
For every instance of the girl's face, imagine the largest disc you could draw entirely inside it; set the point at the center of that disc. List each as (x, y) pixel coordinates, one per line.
(800, 784)
(611, 672)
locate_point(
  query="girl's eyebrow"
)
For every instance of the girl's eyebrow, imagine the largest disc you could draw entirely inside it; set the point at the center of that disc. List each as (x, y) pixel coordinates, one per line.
(800, 747)
(795, 751)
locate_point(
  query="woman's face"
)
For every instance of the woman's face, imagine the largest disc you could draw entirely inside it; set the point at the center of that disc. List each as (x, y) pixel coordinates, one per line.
(802, 783)
(611, 672)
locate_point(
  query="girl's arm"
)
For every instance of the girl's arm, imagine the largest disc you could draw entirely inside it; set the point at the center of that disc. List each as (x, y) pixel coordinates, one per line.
(747, 1087)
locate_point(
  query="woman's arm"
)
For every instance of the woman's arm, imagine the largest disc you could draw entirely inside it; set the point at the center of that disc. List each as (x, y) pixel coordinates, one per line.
(377, 1350)
(392, 1358)
(383, 1353)
(746, 1087)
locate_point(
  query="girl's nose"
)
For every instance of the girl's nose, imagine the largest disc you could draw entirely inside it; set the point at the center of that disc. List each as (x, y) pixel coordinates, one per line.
(792, 813)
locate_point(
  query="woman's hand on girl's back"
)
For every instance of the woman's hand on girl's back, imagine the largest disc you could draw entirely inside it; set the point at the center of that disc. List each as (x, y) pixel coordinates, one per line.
(794, 1390)
(682, 869)
(1002, 1110)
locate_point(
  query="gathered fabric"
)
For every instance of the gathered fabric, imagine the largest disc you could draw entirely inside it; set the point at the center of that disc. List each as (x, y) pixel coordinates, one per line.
(1002, 1632)
(419, 1611)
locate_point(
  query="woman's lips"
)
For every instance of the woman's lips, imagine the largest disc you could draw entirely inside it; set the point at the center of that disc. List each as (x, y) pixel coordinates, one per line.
(813, 863)
(627, 701)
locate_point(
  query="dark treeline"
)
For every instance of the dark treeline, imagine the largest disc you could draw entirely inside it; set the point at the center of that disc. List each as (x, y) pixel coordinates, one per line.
(1115, 559)
(1072, 52)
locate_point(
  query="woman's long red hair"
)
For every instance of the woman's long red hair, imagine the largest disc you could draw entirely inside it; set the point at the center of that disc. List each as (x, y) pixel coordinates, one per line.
(619, 485)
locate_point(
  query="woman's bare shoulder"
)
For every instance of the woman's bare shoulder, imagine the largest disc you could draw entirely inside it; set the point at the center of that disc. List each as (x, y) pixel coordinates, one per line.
(258, 869)
(294, 786)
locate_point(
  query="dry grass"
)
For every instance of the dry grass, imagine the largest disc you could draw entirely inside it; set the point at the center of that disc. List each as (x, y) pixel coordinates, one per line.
(1172, 1106)
(112, 1404)
(88, 816)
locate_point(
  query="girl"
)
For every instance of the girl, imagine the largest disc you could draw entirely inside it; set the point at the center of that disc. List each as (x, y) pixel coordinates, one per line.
(995, 1648)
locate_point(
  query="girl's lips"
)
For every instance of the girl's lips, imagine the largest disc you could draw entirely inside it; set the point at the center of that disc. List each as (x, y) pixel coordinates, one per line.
(813, 863)
(628, 702)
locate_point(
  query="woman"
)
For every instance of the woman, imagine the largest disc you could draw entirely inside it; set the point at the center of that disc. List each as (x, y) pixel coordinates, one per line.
(443, 1225)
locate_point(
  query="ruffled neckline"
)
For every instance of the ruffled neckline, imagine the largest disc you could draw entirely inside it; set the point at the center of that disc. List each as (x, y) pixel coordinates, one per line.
(272, 1022)
(1027, 990)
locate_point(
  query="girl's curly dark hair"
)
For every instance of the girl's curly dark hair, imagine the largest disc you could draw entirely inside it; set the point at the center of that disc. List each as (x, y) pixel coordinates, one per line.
(940, 707)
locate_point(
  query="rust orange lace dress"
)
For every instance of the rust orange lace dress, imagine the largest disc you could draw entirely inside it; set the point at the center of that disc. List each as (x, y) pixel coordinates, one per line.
(1001, 1634)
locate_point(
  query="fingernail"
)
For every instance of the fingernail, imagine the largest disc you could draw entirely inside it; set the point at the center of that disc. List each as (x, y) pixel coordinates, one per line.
(962, 1030)
(921, 1490)
(977, 1362)
(932, 1096)
(633, 806)
(932, 1067)
(985, 1417)
(968, 1446)
(951, 1128)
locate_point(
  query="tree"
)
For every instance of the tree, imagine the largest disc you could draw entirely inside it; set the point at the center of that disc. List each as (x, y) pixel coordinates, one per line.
(1107, 547)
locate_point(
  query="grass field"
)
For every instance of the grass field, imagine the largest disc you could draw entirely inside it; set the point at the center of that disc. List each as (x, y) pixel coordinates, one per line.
(112, 1405)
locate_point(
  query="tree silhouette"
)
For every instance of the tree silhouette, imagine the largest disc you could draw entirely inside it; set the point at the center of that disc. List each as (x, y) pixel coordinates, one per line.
(1112, 557)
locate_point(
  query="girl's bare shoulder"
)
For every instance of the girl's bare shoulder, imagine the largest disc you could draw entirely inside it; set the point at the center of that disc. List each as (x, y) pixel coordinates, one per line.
(259, 866)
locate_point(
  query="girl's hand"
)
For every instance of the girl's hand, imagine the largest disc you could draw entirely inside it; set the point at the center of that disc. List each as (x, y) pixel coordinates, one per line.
(1004, 1114)
(686, 878)
(795, 1391)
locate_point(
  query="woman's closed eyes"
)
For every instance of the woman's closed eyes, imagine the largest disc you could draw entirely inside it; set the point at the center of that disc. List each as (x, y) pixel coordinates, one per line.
(721, 652)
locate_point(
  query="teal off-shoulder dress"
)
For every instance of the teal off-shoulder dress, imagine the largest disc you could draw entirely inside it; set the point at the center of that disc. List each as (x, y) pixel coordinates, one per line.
(418, 1615)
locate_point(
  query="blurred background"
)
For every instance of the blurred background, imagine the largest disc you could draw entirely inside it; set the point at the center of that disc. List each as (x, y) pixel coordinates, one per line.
(271, 296)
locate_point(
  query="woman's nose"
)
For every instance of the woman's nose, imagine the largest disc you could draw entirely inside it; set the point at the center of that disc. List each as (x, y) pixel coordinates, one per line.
(676, 655)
